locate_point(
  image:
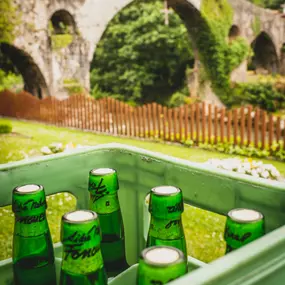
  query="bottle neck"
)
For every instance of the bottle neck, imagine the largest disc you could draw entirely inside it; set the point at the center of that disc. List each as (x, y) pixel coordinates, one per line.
(31, 226)
(104, 204)
(166, 228)
(149, 275)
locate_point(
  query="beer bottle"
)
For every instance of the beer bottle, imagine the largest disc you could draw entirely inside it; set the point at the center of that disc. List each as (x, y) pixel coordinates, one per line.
(33, 256)
(103, 187)
(82, 262)
(166, 207)
(242, 227)
(160, 264)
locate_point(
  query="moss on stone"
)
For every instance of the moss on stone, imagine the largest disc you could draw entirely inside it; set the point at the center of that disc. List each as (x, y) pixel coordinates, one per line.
(256, 25)
(61, 41)
(217, 55)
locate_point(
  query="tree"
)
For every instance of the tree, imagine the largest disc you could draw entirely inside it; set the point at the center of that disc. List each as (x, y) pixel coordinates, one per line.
(140, 58)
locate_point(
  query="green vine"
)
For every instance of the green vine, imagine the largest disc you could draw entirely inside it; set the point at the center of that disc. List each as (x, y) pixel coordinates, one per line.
(8, 21)
(218, 56)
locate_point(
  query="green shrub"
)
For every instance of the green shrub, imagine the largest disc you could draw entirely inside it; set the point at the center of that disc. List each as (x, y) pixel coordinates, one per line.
(10, 81)
(262, 94)
(5, 127)
(178, 99)
(276, 151)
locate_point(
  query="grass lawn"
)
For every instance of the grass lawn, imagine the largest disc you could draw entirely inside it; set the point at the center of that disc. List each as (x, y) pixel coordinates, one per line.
(204, 230)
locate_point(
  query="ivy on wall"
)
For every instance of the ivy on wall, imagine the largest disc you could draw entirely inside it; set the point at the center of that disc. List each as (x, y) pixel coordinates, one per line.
(8, 21)
(219, 56)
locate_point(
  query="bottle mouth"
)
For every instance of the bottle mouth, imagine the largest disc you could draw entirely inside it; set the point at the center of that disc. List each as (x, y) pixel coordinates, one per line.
(79, 216)
(242, 215)
(28, 189)
(102, 171)
(165, 190)
(162, 256)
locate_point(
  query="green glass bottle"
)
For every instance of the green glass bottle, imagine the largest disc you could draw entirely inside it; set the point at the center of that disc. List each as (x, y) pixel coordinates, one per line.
(82, 262)
(161, 264)
(33, 256)
(103, 187)
(242, 227)
(166, 207)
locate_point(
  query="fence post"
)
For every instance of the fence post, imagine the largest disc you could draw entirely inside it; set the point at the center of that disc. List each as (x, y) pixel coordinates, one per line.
(81, 100)
(242, 126)
(216, 125)
(203, 122)
(144, 121)
(154, 119)
(263, 129)
(186, 121)
(278, 129)
(159, 120)
(256, 127)
(175, 123)
(192, 110)
(271, 128)
(140, 117)
(210, 124)
(229, 126)
(127, 120)
(135, 125)
(222, 124)
(164, 122)
(235, 126)
(249, 124)
(149, 117)
(181, 123)
(169, 123)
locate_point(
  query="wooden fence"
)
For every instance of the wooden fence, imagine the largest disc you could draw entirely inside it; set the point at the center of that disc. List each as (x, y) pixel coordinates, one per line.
(197, 122)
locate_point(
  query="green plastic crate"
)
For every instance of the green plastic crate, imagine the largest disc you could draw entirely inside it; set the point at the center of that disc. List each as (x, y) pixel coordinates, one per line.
(261, 262)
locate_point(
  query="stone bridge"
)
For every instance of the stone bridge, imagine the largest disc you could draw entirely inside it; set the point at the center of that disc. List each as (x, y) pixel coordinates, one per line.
(45, 67)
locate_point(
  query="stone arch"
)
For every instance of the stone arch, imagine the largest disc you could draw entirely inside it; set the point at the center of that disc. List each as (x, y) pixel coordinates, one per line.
(265, 57)
(234, 32)
(115, 6)
(63, 22)
(33, 78)
(187, 10)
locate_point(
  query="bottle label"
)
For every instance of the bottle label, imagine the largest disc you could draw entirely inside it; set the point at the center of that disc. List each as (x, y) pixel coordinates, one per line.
(81, 261)
(167, 229)
(34, 205)
(31, 226)
(105, 204)
(166, 210)
(98, 190)
(236, 235)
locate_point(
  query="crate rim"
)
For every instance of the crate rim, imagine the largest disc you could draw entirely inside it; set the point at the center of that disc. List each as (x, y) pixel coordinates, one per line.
(151, 156)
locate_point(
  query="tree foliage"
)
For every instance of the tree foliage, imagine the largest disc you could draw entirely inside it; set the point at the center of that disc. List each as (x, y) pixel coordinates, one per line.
(140, 58)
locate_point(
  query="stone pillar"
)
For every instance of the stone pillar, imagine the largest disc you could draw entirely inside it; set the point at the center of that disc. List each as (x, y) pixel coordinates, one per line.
(240, 73)
(193, 77)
